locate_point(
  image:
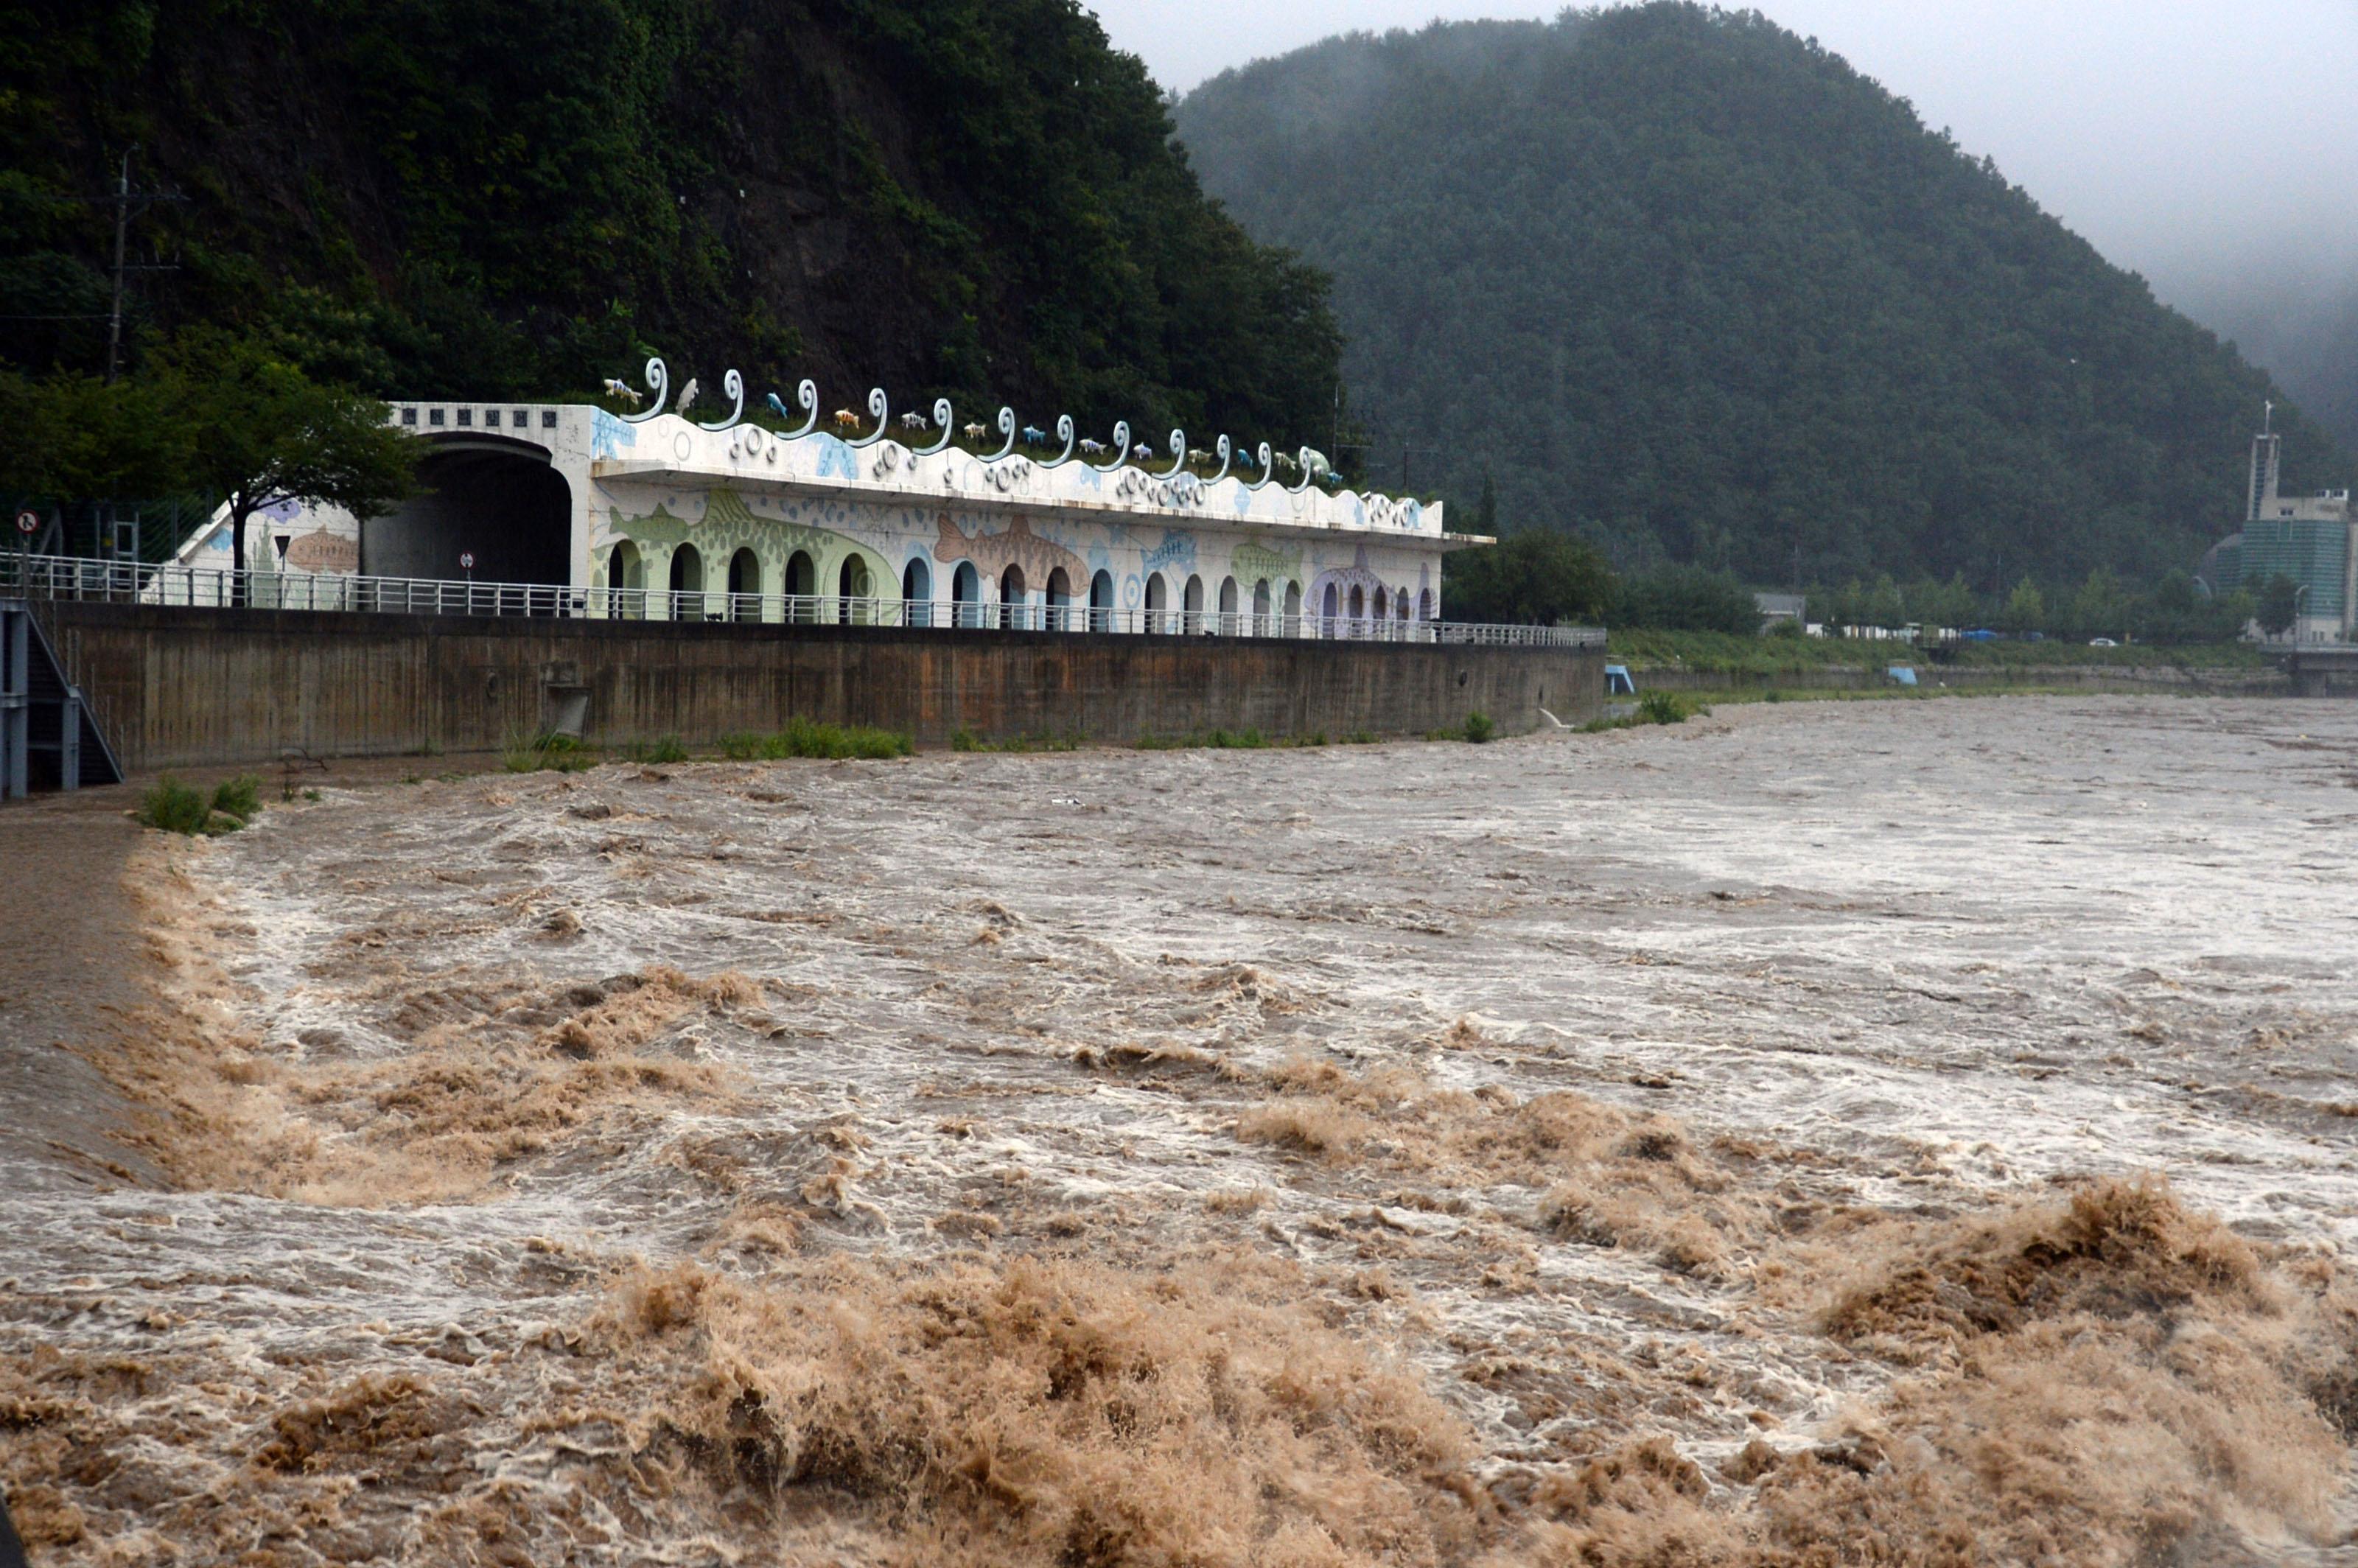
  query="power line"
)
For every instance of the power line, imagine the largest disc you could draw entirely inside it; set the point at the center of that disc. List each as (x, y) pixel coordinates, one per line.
(128, 204)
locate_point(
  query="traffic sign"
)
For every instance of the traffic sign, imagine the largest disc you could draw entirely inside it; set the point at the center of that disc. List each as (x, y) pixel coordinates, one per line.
(27, 521)
(467, 560)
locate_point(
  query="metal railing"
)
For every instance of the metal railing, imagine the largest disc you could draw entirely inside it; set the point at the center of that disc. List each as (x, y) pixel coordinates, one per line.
(125, 582)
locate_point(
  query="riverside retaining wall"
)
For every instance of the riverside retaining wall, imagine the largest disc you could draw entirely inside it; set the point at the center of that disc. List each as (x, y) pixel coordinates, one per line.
(1976, 677)
(182, 687)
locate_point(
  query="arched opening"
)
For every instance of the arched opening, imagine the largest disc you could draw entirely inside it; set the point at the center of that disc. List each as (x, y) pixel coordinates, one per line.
(1060, 596)
(1102, 602)
(802, 587)
(1191, 604)
(1400, 606)
(916, 595)
(484, 496)
(1326, 613)
(626, 581)
(855, 592)
(686, 584)
(745, 586)
(965, 596)
(1383, 608)
(1157, 599)
(1014, 604)
(1359, 602)
(1294, 609)
(1229, 627)
(1424, 605)
(1260, 626)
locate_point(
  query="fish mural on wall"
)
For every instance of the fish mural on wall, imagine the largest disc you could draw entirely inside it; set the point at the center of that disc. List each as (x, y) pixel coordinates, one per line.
(1254, 560)
(729, 525)
(1356, 575)
(320, 551)
(1177, 551)
(992, 554)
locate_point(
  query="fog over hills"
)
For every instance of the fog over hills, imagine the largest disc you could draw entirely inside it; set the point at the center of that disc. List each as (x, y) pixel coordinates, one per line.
(2305, 334)
(1691, 284)
(2195, 143)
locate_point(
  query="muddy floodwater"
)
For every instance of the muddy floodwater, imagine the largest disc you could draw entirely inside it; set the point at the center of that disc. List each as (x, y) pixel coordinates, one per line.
(1911, 1132)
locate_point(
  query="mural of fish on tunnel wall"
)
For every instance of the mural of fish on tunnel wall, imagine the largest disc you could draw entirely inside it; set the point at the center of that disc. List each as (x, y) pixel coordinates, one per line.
(1016, 546)
(1359, 575)
(1253, 560)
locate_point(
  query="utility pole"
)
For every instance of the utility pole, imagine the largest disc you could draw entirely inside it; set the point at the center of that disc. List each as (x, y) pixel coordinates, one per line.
(122, 233)
(128, 205)
(1405, 450)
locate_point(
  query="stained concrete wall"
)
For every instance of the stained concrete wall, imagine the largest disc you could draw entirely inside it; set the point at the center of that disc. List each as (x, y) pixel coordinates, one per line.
(2323, 672)
(179, 687)
(2229, 682)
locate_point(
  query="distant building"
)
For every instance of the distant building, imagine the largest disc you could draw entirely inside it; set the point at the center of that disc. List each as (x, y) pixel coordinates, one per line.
(1778, 608)
(2312, 539)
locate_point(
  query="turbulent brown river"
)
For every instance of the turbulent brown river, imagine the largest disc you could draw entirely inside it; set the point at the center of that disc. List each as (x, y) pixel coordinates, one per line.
(1910, 1132)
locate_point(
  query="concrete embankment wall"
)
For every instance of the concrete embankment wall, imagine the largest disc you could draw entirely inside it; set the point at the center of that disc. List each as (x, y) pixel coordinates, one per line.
(1977, 678)
(179, 687)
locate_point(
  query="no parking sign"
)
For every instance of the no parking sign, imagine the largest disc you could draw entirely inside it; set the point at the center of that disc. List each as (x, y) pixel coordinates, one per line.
(27, 521)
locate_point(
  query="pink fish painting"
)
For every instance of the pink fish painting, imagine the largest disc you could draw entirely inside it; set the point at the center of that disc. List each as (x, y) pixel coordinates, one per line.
(992, 554)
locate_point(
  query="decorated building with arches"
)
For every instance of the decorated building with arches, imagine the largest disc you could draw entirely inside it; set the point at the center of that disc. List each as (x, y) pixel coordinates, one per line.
(870, 517)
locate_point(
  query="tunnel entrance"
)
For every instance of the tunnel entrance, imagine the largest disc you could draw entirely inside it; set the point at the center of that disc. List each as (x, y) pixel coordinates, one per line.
(496, 500)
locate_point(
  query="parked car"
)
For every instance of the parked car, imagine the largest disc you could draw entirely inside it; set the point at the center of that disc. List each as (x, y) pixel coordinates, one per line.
(2102, 642)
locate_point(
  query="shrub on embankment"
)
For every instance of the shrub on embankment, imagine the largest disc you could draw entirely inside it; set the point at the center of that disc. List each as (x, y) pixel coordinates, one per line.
(812, 738)
(174, 808)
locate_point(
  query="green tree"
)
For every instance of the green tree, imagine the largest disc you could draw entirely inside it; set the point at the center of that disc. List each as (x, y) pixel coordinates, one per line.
(2025, 609)
(259, 432)
(1535, 576)
(1949, 604)
(75, 437)
(1687, 598)
(2232, 614)
(2177, 611)
(2099, 609)
(2278, 606)
(1884, 605)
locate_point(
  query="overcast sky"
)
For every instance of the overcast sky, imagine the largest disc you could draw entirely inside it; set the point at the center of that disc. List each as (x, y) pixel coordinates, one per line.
(2212, 146)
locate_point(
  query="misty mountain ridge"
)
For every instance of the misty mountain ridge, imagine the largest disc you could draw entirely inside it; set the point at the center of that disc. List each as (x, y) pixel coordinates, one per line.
(2307, 339)
(1694, 286)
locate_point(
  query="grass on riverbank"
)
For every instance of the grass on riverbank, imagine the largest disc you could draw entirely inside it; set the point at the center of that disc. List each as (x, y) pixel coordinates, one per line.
(812, 738)
(174, 808)
(1717, 653)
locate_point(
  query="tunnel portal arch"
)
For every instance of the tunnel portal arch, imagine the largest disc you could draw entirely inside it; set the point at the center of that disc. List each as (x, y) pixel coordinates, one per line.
(496, 500)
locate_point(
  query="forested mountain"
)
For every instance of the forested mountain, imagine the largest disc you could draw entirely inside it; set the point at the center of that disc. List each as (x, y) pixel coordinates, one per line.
(1690, 285)
(510, 198)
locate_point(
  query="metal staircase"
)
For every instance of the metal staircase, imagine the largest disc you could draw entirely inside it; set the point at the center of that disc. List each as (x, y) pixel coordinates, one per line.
(49, 738)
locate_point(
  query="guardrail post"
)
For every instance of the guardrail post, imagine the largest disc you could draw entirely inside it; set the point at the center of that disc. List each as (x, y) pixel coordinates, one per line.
(16, 701)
